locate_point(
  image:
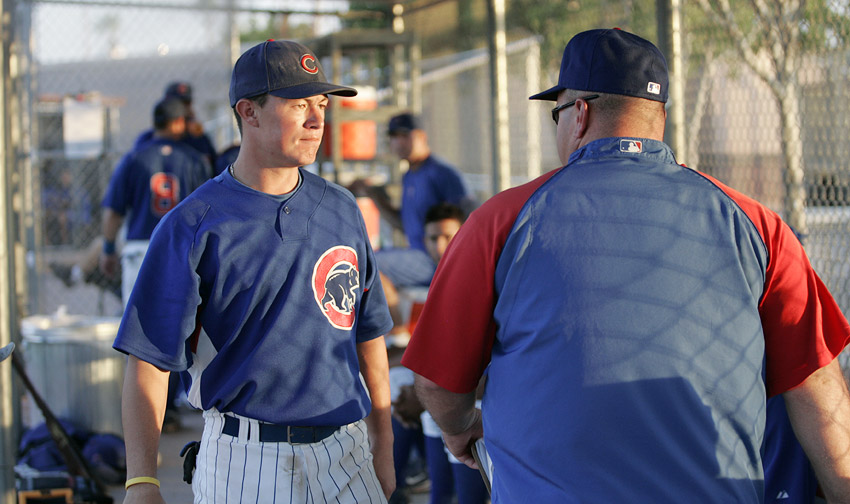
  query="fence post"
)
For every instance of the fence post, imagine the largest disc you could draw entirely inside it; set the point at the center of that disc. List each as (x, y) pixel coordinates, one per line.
(500, 132)
(8, 310)
(669, 21)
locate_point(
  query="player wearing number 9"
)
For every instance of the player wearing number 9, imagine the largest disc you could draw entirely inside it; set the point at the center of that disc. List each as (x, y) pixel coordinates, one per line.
(148, 182)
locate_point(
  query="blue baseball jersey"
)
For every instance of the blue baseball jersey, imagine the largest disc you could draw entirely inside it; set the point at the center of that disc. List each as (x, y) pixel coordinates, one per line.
(262, 299)
(431, 183)
(150, 181)
(632, 316)
(788, 475)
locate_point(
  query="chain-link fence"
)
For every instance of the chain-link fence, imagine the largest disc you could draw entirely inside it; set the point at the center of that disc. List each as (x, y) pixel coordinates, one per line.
(456, 100)
(90, 98)
(94, 73)
(761, 104)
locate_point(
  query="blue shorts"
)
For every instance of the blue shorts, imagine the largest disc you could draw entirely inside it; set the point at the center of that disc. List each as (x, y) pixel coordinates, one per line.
(406, 267)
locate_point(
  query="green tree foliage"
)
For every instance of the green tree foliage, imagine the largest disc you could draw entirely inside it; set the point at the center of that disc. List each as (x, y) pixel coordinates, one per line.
(274, 26)
(368, 15)
(557, 22)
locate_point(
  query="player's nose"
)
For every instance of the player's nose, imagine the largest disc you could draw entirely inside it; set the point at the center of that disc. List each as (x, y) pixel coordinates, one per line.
(315, 117)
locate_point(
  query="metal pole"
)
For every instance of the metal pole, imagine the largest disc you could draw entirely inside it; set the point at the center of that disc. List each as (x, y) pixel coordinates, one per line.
(500, 132)
(533, 147)
(669, 16)
(234, 50)
(8, 308)
(336, 115)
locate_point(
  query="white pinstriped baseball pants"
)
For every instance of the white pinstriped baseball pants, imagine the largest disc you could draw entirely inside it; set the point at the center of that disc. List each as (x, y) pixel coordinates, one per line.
(236, 470)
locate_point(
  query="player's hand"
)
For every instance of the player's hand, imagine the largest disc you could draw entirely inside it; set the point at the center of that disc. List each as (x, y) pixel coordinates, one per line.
(143, 493)
(108, 264)
(407, 408)
(382, 459)
(460, 442)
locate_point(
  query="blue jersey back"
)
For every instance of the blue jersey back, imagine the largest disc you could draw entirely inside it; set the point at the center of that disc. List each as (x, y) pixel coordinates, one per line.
(200, 143)
(150, 181)
(639, 379)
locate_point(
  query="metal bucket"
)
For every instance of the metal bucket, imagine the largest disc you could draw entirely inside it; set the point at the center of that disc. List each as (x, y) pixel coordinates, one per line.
(71, 363)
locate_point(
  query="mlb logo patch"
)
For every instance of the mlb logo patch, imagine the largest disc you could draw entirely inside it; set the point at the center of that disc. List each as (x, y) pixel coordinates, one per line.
(635, 146)
(653, 87)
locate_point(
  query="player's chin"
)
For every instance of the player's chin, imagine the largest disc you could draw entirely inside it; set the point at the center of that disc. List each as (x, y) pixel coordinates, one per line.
(309, 150)
(307, 156)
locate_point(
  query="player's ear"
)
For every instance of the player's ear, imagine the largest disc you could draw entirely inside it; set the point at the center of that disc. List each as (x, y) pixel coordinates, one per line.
(582, 118)
(247, 110)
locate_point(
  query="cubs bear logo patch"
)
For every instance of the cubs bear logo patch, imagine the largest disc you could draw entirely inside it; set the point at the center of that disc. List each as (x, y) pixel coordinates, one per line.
(335, 282)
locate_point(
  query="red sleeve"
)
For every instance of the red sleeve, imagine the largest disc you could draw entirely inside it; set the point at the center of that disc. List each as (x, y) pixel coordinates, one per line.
(804, 328)
(454, 335)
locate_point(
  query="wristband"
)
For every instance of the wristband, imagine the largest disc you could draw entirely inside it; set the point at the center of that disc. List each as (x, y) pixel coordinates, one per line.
(141, 479)
(108, 247)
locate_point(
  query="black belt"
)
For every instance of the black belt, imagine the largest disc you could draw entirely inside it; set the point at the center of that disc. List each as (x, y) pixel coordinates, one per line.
(275, 433)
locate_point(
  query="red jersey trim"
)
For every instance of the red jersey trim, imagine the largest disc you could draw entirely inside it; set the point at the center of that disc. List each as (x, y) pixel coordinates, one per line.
(462, 296)
(804, 328)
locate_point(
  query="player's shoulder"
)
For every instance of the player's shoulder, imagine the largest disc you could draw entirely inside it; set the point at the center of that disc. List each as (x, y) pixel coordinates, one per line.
(514, 198)
(501, 210)
(437, 164)
(186, 151)
(331, 189)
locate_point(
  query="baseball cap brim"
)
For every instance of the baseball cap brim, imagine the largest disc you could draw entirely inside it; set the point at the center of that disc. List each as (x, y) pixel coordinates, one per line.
(550, 94)
(312, 89)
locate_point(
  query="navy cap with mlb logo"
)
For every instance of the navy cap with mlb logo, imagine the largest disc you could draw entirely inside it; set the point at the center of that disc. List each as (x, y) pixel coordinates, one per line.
(611, 61)
(281, 68)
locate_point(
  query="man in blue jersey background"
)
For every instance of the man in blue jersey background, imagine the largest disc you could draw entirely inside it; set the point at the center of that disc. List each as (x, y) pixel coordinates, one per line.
(148, 182)
(427, 181)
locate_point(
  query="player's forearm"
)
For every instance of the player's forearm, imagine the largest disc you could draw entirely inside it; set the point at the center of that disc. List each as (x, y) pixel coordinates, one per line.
(111, 224)
(819, 410)
(142, 411)
(453, 412)
(376, 374)
(375, 369)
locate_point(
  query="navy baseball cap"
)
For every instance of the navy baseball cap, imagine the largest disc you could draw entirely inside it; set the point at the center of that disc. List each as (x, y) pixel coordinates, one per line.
(281, 68)
(403, 123)
(181, 90)
(168, 109)
(611, 61)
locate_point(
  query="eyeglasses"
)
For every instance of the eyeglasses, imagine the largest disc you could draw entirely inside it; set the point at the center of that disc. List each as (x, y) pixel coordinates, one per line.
(556, 112)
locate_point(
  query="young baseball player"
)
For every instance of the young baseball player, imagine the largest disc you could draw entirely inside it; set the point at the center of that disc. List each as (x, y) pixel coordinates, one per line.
(263, 287)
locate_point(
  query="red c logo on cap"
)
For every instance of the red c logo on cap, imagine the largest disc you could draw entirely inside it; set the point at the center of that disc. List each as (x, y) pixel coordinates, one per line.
(308, 63)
